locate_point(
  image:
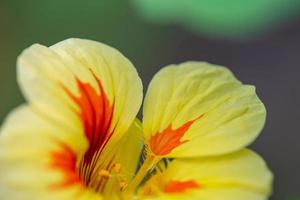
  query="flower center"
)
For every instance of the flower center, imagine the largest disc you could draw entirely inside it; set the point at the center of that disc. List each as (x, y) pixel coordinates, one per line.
(91, 171)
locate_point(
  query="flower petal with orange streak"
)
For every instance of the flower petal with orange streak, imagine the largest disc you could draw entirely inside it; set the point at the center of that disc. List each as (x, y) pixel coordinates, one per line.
(234, 115)
(97, 105)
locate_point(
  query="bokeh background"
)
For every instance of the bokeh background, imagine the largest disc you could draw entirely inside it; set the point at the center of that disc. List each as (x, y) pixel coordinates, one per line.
(259, 41)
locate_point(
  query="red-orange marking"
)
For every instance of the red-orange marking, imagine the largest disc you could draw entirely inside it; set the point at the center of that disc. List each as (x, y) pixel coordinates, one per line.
(164, 142)
(65, 161)
(180, 186)
(96, 115)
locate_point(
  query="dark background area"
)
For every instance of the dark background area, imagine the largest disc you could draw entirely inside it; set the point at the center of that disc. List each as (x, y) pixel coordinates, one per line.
(270, 62)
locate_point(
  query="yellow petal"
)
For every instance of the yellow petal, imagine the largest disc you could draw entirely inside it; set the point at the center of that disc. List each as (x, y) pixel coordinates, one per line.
(82, 85)
(213, 194)
(35, 163)
(242, 175)
(199, 109)
(115, 72)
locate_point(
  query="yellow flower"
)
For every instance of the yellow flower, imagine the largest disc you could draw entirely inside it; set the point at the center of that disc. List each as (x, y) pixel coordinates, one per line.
(77, 137)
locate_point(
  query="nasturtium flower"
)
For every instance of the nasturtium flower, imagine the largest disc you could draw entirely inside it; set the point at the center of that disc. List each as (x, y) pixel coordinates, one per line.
(77, 137)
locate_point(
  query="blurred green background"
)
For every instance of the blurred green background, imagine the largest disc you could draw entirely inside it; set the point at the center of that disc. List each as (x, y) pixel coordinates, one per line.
(221, 18)
(261, 48)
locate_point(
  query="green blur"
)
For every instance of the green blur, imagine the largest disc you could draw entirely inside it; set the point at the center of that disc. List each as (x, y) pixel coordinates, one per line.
(223, 18)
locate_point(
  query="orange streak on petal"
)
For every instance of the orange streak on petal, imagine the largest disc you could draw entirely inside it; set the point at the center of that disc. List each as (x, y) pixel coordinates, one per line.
(180, 186)
(65, 161)
(164, 142)
(96, 114)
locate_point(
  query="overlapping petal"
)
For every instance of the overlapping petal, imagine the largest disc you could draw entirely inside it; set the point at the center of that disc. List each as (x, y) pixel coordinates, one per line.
(242, 175)
(199, 109)
(38, 159)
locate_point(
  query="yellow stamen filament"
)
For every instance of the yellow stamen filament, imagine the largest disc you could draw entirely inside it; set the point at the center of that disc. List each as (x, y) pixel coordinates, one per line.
(117, 168)
(123, 185)
(129, 189)
(104, 173)
(148, 164)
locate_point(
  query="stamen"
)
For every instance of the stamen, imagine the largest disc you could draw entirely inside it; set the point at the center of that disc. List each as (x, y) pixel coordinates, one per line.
(104, 173)
(123, 185)
(117, 168)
